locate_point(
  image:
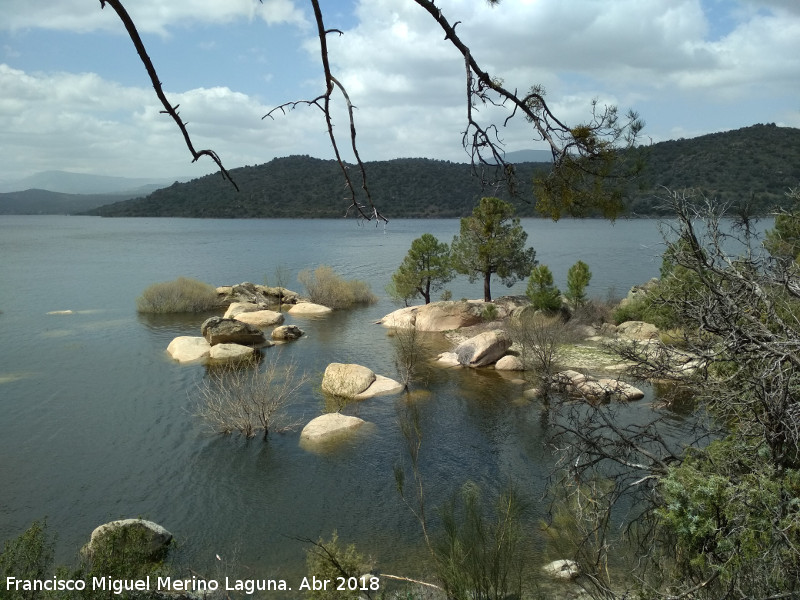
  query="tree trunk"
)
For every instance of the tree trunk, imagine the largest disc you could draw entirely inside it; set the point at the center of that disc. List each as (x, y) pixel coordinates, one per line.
(487, 290)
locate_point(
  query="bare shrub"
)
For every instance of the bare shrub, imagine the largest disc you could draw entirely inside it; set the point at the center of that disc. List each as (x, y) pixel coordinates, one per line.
(182, 295)
(249, 400)
(325, 287)
(408, 353)
(539, 338)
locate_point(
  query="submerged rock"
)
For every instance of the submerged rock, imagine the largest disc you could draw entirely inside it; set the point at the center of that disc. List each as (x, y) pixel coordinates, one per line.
(231, 352)
(593, 389)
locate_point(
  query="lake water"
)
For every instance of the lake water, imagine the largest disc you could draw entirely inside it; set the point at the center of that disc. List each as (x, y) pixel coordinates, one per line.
(96, 421)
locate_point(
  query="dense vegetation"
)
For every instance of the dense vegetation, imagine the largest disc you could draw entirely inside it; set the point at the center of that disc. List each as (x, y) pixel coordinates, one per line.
(761, 161)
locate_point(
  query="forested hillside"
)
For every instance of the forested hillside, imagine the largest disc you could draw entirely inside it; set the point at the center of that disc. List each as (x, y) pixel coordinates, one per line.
(761, 162)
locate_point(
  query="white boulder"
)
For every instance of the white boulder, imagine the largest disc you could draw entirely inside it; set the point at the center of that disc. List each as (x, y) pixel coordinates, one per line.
(509, 362)
(260, 318)
(347, 380)
(562, 569)
(231, 352)
(329, 425)
(309, 309)
(187, 348)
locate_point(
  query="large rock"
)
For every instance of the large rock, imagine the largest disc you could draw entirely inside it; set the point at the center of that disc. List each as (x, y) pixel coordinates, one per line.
(347, 380)
(444, 316)
(403, 318)
(562, 569)
(287, 332)
(329, 425)
(149, 538)
(309, 309)
(260, 318)
(187, 348)
(483, 349)
(509, 363)
(637, 330)
(231, 352)
(219, 330)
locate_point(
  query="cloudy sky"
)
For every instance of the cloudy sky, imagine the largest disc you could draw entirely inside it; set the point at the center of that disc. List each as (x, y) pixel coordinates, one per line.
(75, 97)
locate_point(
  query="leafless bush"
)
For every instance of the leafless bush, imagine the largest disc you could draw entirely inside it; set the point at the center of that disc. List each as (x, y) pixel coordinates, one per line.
(539, 338)
(249, 400)
(409, 350)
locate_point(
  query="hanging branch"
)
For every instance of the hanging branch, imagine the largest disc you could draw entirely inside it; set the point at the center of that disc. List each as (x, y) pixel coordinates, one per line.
(365, 211)
(170, 110)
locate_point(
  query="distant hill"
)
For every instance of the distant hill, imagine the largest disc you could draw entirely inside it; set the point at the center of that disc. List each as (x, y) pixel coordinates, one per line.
(45, 202)
(761, 162)
(80, 183)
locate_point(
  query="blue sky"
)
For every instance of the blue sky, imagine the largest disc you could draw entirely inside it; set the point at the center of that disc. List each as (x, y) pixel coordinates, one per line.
(74, 95)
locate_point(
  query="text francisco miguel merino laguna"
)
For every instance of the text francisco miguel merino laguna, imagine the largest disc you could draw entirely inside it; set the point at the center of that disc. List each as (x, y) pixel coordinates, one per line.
(193, 584)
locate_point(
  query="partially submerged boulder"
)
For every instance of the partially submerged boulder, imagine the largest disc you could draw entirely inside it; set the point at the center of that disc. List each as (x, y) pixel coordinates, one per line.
(219, 330)
(483, 349)
(328, 426)
(382, 386)
(346, 380)
(143, 538)
(231, 352)
(188, 348)
(309, 309)
(287, 332)
(237, 308)
(357, 382)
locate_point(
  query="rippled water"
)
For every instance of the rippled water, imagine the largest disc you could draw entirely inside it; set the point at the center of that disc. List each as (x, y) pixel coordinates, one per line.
(96, 421)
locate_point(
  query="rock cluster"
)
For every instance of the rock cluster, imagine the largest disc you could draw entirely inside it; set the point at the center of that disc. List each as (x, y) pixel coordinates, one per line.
(593, 389)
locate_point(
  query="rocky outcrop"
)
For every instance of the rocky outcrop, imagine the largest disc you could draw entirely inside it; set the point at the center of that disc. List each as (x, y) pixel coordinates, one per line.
(256, 294)
(329, 425)
(187, 348)
(286, 333)
(357, 382)
(260, 318)
(562, 569)
(219, 330)
(593, 389)
(444, 316)
(637, 330)
(309, 309)
(231, 352)
(483, 349)
(402, 318)
(151, 539)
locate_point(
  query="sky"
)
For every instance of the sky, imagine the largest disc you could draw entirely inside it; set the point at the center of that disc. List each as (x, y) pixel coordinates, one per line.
(74, 95)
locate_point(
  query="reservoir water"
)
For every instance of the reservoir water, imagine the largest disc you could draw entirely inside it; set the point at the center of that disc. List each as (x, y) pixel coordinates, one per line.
(97, 423)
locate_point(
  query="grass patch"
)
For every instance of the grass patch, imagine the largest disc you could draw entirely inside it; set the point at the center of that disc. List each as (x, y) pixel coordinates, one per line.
(184, 295)
(329, 289)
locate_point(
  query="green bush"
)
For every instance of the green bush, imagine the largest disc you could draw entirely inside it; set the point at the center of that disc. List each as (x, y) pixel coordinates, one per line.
(184, 295)
(329, 289)
(328, 561)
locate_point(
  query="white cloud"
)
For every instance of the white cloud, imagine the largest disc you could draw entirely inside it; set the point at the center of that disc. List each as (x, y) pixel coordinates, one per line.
(150, 16)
